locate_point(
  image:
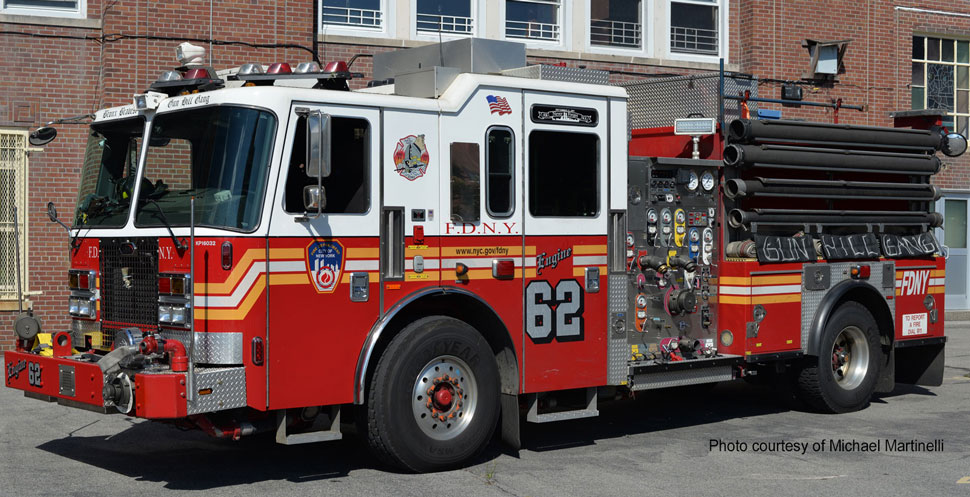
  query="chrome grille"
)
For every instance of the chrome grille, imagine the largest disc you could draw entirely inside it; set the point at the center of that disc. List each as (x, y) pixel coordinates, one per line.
(129, 285)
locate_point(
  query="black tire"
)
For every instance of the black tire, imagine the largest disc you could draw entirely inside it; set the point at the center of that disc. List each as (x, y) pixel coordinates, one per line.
(831, 382)
(393, 417)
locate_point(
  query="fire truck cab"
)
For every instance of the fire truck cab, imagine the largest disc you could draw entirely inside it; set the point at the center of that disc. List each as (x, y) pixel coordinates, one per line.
(433, 254)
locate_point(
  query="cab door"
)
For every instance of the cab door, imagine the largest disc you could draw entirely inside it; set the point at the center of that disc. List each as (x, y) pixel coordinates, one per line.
(481, 192)
(566, 218)
(322, 271)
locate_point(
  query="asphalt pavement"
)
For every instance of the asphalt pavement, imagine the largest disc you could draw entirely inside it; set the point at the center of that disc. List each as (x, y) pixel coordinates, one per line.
(736, 439)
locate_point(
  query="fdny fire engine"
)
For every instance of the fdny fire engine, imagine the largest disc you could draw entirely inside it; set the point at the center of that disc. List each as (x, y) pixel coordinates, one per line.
(470, 241)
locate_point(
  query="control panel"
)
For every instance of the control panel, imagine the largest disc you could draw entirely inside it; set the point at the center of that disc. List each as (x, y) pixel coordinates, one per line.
(671, 255)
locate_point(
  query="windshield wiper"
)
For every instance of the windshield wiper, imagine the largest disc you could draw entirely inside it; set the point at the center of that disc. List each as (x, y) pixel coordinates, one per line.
(180, 246)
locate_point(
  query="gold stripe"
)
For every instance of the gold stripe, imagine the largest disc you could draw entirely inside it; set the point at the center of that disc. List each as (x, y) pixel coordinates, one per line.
(899, 291)
(937, 289)
(776, 280)
(288, 279)
(735, 280)
(777, 299)
(589, 249)
(937, 273)
(363, 253)
(581, 271)
(286, 253)
(760, 299)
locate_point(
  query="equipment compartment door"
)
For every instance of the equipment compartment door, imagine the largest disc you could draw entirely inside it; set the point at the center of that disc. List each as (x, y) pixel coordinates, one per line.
(323, 271)
(566, 218)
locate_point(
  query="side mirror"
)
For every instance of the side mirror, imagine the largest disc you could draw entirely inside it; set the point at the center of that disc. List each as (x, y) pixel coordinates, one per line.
(318, 144)
(51, 212)
(314, 198)
(42, 136)
(954, 145)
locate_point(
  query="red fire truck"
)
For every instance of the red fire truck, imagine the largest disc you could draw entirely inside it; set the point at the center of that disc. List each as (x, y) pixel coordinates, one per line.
(469, 241)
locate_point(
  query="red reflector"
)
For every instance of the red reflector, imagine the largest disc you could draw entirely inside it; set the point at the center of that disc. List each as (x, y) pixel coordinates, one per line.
(503, 269)
(84, 280)
(226, 255)
(197, 73)
(165, 285)
(258, 351)
(336, 66)
(418, 235)
(279, 68)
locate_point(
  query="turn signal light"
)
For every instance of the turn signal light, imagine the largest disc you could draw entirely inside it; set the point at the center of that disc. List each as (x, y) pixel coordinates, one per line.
(860, 272)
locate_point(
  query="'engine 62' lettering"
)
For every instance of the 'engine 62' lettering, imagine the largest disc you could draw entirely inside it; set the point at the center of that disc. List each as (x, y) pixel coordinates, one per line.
(33, 371)
(554, 313)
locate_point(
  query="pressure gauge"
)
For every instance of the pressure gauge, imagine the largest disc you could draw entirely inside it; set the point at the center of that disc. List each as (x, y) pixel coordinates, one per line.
(629, 240)
(692, 182)
(652, 216)
(694, 235)
(681, 217)
(665, 216)
(707, 181)
(641, 301)
(708, 235)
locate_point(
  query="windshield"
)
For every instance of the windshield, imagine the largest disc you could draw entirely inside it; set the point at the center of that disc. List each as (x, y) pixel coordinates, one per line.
(220, 155)
(110, 162)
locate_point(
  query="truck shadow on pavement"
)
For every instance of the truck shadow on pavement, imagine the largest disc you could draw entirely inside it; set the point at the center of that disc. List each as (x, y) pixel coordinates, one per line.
(190, 460)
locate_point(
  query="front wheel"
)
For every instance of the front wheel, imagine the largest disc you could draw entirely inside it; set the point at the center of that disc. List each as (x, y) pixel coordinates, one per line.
(433, 398)
(843, 377)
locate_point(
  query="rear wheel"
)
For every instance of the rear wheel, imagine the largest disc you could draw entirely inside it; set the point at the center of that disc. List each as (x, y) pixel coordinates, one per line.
(843, 377)
(433, 398)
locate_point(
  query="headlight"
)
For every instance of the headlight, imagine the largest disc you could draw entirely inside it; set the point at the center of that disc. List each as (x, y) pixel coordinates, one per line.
(178, 315)
(81, 306)
(164, 314)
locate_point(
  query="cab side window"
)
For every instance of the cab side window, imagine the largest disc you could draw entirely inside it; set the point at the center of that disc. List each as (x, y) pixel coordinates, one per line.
(563, 179)
(348, 186)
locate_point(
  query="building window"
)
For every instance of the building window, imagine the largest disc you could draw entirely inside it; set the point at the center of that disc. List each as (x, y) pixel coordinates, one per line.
(13, 193)
(532, 19)
(354, 13)
(694, 27)
(56, 8)
(445, 16)
(941, 79)
(616, 23)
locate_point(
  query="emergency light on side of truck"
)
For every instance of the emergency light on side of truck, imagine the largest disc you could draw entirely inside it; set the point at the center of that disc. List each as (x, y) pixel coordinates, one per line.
(469, 241)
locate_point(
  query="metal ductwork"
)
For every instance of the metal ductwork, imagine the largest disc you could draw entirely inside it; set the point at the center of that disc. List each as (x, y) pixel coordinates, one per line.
(833, 189)
(793, 217)
(841, 135)
(791, 157)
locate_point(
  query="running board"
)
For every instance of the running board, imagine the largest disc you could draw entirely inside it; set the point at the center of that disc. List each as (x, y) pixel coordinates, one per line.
(325, 427)
(534, 416)
(684, 373)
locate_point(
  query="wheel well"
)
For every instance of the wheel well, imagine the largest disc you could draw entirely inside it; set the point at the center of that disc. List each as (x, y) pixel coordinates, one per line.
(876, 304)
(459, 306)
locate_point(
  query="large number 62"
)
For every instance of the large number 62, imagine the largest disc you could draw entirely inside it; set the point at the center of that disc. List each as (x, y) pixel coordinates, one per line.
(565, 301)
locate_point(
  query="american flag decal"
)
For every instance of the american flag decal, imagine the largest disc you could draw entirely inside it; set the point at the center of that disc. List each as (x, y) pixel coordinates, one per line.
(498, 104)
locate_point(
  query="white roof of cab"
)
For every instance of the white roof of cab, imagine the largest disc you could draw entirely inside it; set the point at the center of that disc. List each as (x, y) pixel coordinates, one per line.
(452, 100)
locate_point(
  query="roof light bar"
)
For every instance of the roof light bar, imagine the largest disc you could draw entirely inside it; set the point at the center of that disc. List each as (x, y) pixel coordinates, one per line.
(307, 67)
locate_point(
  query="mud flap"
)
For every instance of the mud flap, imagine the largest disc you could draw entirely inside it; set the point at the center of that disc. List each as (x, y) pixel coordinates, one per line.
(510, 421)
(920, 362)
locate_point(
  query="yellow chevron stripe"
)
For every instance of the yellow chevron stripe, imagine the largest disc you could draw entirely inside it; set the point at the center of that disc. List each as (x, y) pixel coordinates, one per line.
(242, 267)
(937, 289)
(238, 313)
(761, 280)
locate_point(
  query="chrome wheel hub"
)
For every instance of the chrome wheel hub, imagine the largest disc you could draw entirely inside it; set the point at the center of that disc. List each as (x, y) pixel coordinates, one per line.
(850, 358)
(444, 397)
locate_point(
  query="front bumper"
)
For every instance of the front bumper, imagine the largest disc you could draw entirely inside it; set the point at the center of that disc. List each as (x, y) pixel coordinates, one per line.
(78, 383)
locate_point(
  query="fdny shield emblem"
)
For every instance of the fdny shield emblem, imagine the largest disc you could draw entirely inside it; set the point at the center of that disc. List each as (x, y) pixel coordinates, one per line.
(325, 262)
(411, 157)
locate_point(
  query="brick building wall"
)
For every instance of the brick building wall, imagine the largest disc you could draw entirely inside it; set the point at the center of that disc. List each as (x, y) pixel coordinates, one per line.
(47, 78)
